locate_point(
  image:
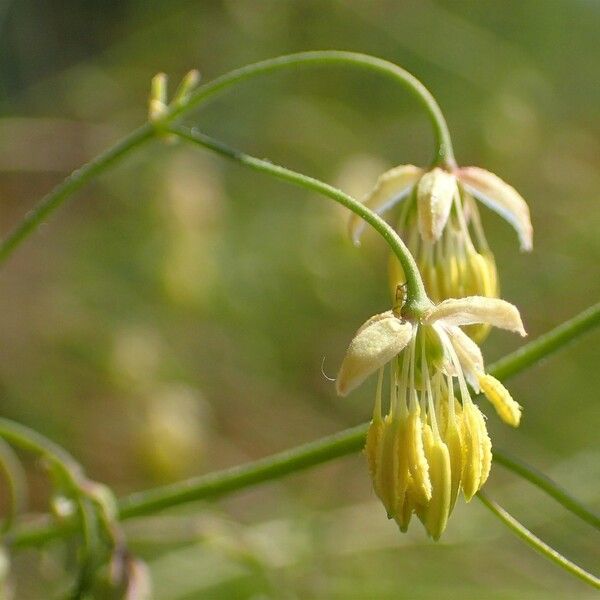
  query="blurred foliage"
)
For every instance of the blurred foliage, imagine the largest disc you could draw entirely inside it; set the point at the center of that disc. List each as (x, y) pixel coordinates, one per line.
(173, 319)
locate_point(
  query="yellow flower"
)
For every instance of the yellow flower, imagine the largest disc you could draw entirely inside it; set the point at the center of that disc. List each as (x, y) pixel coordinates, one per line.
(430, 443)
(441, 226)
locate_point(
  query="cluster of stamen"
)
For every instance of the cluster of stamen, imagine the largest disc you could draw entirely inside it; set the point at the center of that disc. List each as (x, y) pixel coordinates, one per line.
(431, 444)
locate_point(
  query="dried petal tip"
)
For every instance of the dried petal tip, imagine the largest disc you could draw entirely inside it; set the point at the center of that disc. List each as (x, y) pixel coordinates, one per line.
(380, 339)
(435, 194)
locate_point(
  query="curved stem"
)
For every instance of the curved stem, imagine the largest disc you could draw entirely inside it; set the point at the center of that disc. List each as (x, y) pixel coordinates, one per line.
(70, 185)
(12, 471)
(532, 540)
(185, 102)
(444, 152)
(417, 301)
(546, 484)
(67, 468)
(32, 441)
(293, 460)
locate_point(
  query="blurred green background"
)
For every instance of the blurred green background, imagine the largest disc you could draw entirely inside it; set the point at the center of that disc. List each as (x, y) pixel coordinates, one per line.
(173, 319)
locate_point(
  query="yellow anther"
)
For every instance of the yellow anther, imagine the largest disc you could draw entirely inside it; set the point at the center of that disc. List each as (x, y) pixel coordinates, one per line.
(485, 445)
(435, 514)
(417, 463)
(508, 409)
(453, 439)
(472, 458)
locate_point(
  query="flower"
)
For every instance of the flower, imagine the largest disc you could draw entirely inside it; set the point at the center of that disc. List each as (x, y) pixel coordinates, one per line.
(431, 443)
(441, 226)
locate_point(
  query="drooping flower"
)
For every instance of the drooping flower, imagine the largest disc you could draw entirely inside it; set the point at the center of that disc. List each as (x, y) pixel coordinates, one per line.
(430, 441)
(441, 226)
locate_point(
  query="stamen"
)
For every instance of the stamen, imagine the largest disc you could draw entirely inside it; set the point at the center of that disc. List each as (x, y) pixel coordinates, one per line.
(394, 387)
(377, 409)
(466, 238)
(475, 221)
(451, 399)
(425, 374)
(464, 391)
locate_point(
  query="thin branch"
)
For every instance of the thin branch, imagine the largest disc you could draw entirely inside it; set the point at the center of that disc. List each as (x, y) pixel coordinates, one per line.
(325, 58)
(417, 299)
(184, 104)
(76, 180)
(547, 343)
(532, 540)
(296, 459)
(13, 473)
(546, 484)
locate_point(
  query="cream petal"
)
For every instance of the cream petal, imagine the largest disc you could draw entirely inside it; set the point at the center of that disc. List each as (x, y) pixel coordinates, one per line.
(380, 339)
(435, 193)
(477, 309)
(500, 197)
(392, 187)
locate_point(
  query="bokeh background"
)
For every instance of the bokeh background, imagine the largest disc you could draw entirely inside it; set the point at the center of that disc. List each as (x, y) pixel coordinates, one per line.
(173, 318)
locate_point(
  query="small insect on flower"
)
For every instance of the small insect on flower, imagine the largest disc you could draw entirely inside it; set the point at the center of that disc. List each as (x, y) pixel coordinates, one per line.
(441, 226)
(429, 443)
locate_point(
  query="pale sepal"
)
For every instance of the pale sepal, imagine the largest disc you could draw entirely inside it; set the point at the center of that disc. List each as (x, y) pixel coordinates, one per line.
(380, 339)
(435, 193)
(392, 187)
(500, 197)
(477, 309)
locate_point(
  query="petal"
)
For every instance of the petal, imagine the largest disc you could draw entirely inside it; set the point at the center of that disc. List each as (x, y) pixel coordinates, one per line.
(380, 339)
(435, 193)
(392, 187)
(477, 309)
(501, 198)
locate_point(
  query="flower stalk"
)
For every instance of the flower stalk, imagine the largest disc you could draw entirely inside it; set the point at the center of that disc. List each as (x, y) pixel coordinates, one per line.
(188, 97)
(417, 301)
(431, 492)
(329, 448)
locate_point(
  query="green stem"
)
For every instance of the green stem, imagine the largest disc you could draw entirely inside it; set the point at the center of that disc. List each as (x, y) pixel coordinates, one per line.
(69, 186)
(444, 152)
(235, 478)
(14, 475)
(529, 538)
(32, 441)
(186, 102)
(545, 344)
(546, 484)
(296, 459)
(66, 467)
(417, 301)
